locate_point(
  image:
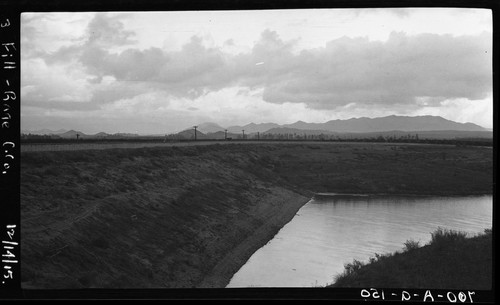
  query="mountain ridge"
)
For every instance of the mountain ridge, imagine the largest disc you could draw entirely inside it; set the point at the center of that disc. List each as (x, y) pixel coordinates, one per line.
(365, 124)
(385, 124)
(389, 123)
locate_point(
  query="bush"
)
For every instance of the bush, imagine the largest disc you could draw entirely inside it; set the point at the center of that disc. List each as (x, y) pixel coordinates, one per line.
(411, 245)
(447, 236)
(375, 259)
(352, 268)
(350, 272)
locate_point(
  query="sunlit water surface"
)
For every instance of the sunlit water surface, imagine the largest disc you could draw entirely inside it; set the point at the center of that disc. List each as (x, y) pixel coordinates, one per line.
(326, 233)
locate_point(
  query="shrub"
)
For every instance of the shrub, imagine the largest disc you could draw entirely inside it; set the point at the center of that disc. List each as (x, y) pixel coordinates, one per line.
(447, 236)
(411, 245)
(350, 272)
(376, 258)
(352, 268)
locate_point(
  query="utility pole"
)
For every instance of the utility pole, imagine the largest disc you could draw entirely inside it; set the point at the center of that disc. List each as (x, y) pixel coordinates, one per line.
(195, 132)
(258, 135)
(243, 134)
(225, 134)
(77, 136)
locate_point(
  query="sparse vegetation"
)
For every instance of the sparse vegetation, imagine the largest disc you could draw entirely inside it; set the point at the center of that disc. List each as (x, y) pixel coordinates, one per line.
(445, 236)
(170, 215)
(411, 245)
(451, 260)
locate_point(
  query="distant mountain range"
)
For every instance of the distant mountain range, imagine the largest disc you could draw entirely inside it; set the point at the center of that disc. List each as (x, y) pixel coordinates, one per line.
(249, 128)
(429, 126)
(71, 134)
(388, 123)
(354, 125)
(44, 131)
(252, 127)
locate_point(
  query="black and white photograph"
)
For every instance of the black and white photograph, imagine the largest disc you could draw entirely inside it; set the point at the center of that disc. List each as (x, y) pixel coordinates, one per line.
(323, 148)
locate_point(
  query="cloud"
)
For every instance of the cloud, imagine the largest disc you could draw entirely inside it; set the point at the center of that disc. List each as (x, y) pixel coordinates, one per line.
(398, 12)
(462, 110)
(356, 70)
(189, 72)
(129, 65)
(107, 30)
(102, 68)
(346, 70)
(42, 83)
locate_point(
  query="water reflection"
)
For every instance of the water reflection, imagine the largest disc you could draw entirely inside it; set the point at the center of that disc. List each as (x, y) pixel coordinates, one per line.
(331, 231)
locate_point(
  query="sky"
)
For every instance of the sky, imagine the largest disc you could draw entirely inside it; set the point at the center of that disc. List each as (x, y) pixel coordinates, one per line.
(163, 72)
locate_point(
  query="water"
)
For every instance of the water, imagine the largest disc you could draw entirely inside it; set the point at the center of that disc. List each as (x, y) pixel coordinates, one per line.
(326, 233)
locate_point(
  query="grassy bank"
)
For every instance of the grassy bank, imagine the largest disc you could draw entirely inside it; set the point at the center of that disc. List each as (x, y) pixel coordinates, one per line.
(451, 260)
(191, 216)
